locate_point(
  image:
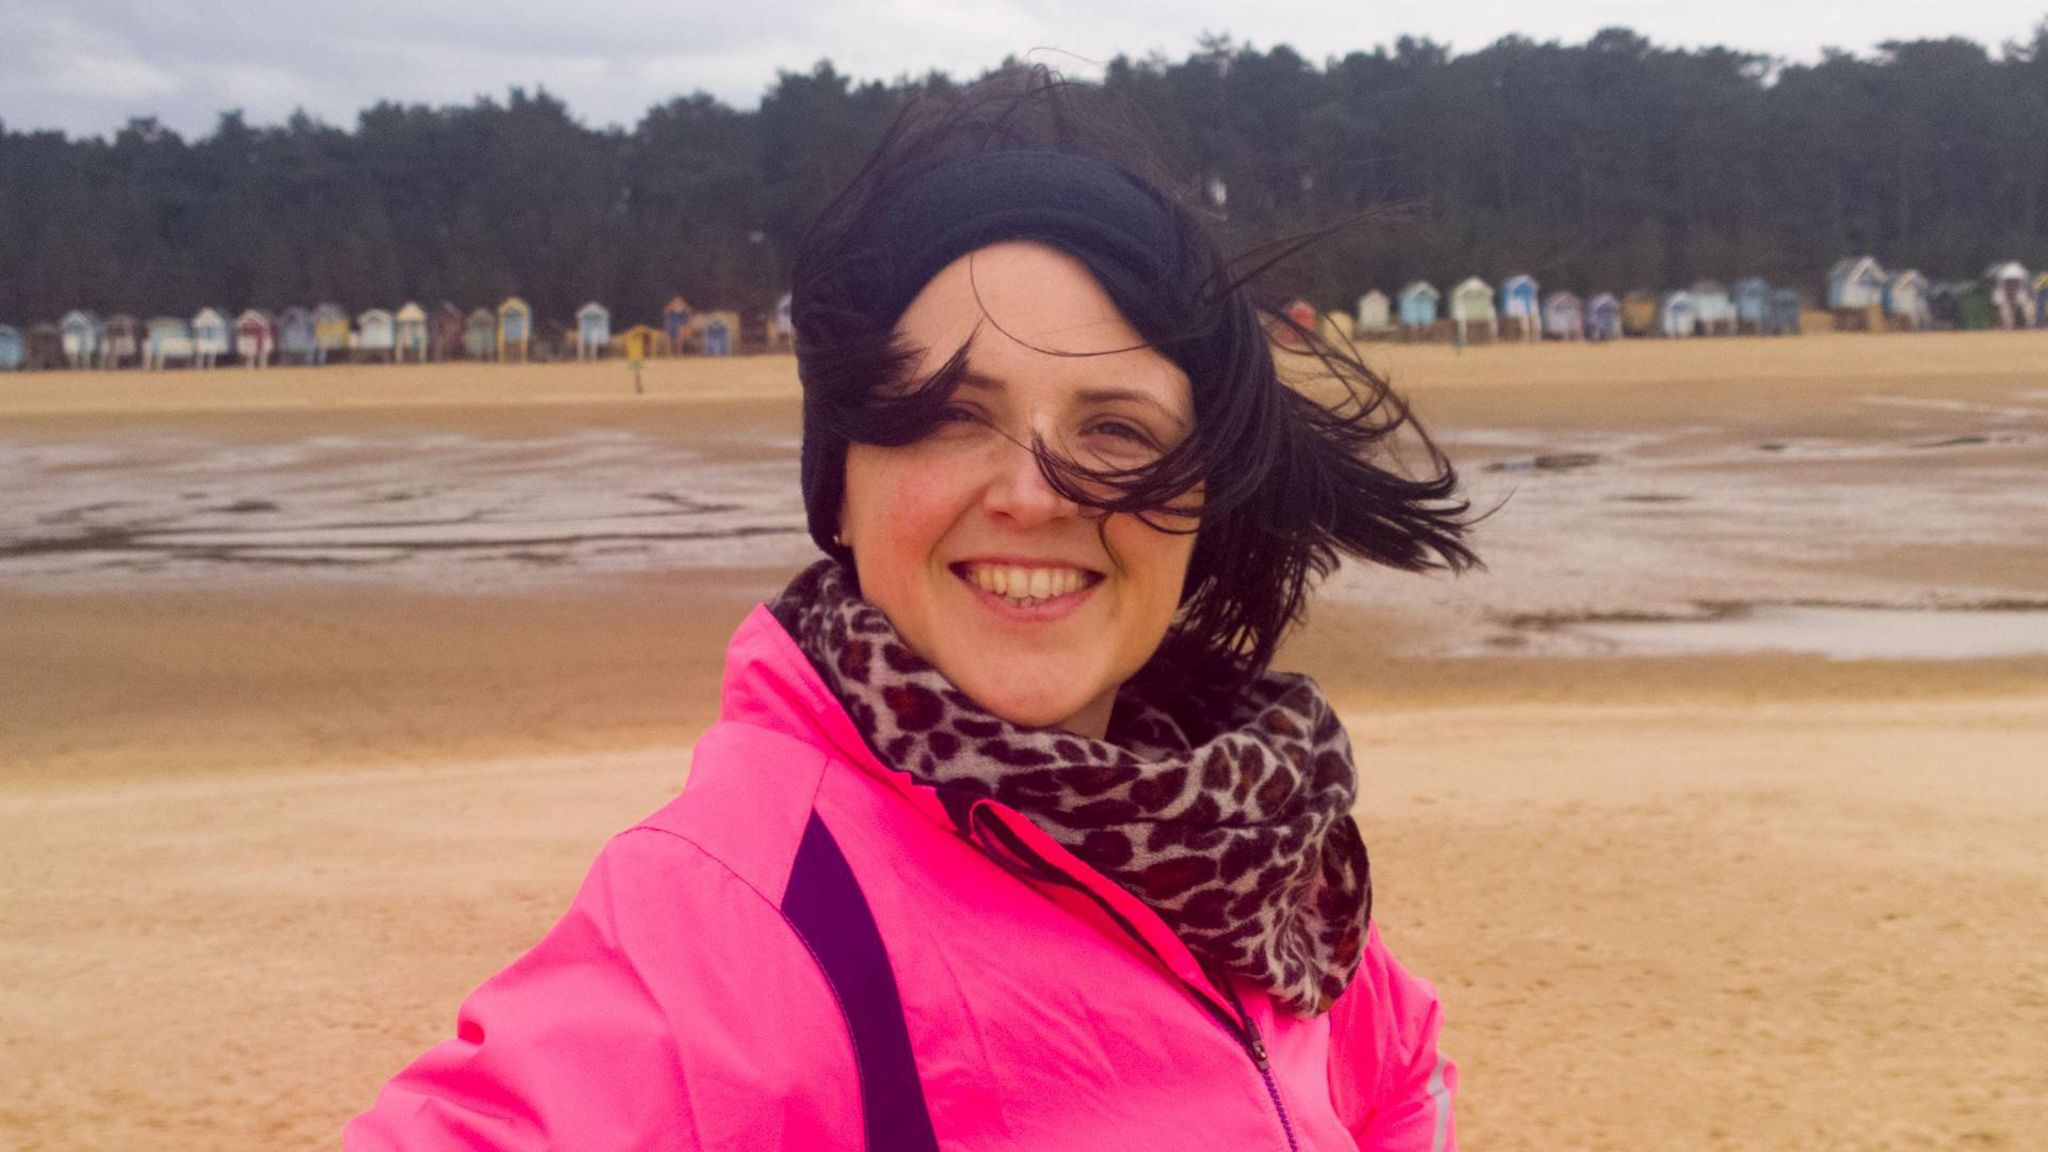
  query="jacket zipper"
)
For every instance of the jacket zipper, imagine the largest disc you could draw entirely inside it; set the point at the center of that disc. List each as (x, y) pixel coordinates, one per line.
(1242, 1029)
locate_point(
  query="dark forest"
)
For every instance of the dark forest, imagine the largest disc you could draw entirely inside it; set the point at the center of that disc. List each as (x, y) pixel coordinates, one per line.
(1607, 165)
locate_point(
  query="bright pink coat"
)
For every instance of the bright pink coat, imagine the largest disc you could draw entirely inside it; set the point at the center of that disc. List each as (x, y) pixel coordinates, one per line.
(677, 1005)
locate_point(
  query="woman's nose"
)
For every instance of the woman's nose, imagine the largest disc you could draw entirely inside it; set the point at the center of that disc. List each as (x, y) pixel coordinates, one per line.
(1019, 491)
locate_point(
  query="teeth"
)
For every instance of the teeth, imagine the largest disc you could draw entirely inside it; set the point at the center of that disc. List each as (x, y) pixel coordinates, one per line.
(1026, 586)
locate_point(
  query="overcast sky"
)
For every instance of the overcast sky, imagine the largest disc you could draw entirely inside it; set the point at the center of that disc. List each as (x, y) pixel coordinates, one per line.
(86, 66)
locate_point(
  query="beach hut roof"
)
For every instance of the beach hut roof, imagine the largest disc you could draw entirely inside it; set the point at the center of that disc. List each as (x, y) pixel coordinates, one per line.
(328, 312)
(1906, 276)
(252, 314)
(1420, 288)
(411, 310)
(2008, 270)
(1473, 284)
(1375, 294)
(78, 316)
(209, 316)
(593, 309)
(374, 315)
(1519, 279)
(513, 304)
(1852, 266)
(1607, 298)
(1561, 296)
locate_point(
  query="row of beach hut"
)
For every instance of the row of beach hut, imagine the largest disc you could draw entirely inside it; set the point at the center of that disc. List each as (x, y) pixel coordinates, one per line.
(1475, 311)
(1860, 294)
(327, 334)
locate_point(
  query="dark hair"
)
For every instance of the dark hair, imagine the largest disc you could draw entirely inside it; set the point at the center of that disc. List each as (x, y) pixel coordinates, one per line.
(1288, 480)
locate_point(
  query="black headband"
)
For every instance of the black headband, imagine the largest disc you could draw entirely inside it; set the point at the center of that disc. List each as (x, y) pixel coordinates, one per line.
(1094, 212)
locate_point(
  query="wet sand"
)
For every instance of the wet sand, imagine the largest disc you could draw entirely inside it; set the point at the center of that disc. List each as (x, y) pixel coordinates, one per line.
(268, 815)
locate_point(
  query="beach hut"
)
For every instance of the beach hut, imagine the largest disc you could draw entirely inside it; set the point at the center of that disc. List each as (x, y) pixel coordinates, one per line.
(120, 341)
(784, 336)
(1784, 314)
(1976, 311)
(78, 333)
(376, 335)
(1855, 283)
(593, 330)
(2012, 295)
(2041, 298)
(169, 341)
(297, 340)
(1375, 312)
(1472, 309)
(44, 348)
(1603, 317)
(480, 334)
(330, 332)
(515, 328)
(1564, 316)
(675, 323)
(10, 348)
(1638, 313)
(1905, 299)
(1521, 314)
(1418, 305)
(642, 342)
(212, 337)
(409, 333)
(255, 338)
(1714, 307)
(444, 335)
(1678, 314)
(1752, 305)
(717, 334)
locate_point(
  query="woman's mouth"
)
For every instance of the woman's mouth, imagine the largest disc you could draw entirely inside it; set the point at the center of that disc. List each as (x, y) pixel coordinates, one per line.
(1028, 586)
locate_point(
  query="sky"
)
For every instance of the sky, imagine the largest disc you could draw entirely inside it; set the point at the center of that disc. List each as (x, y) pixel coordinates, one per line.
(86, 66)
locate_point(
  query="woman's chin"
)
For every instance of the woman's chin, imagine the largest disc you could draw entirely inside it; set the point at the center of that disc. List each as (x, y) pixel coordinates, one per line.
(1029, 705)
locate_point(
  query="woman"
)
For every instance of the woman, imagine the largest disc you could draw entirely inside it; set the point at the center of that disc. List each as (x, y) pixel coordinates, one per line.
(1007, 838)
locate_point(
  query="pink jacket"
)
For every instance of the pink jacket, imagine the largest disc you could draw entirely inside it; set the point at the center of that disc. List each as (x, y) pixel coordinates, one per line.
(803, 952)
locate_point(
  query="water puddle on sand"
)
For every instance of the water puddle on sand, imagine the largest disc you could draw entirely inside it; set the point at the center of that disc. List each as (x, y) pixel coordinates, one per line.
(1835, 632)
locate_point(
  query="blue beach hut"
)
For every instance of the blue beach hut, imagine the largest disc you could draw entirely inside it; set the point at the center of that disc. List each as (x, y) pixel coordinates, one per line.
(10, 348)
(1418, 304)
(295, 338)
(1905, 298)
(593, 330)
(1518, 302)
(1678, 314)
(1603, 317)
(1784, 312)
(1855, 283)
(80, 333)
(717, 337)
(1752, 305)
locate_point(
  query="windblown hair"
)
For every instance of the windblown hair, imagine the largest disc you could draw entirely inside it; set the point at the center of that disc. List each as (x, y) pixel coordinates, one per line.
(1288, 481)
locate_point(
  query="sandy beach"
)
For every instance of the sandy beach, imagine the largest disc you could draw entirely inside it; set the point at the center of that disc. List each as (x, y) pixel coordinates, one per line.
(1714, 807)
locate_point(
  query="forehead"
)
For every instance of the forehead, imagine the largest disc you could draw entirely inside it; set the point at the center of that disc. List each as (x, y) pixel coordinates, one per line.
(1038, 320)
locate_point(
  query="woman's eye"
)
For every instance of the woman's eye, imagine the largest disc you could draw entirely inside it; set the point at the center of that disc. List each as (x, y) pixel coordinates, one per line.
(1124, 431)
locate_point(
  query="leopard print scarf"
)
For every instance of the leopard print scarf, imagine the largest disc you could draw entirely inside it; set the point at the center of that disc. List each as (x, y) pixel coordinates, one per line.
(1227, 811)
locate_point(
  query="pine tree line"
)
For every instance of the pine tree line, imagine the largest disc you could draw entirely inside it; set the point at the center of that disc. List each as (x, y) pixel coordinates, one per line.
(1604, 165)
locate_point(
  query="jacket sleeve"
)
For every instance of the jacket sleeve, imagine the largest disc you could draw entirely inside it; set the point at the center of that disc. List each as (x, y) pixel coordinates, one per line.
(1391, 1086)
(666, 1010)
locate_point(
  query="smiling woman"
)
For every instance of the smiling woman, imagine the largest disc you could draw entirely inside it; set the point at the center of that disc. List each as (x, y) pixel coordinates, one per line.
(1008, 837)
(1037, 611)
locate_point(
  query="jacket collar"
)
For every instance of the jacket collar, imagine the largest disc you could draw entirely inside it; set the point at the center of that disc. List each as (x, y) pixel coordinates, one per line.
(770, 683)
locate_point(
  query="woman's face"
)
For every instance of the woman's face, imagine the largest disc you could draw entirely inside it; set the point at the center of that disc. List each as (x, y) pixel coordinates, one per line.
(1007, 588)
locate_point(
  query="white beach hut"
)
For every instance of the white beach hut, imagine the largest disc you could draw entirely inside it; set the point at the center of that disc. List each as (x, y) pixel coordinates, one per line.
(1472, 309)
(212, 337)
